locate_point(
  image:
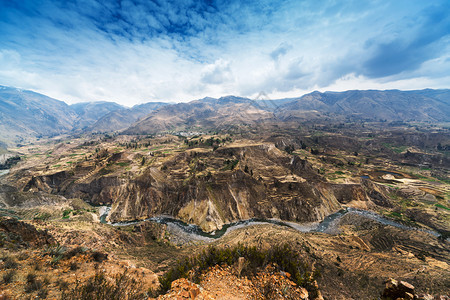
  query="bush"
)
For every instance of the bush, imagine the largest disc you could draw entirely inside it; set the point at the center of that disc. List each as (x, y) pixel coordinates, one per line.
(99, 256)
(99, 287)
(283, 257)
(66, 213)
(57, 252)
(33, 284)
(73, 266)
(43, 217)
(36, 265)
(62, 284)
(54, 251)
(9, 276)
(9, 263)
(77, 250)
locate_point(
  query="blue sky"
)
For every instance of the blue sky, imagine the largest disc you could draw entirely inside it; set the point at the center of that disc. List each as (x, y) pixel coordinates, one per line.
(135, 51)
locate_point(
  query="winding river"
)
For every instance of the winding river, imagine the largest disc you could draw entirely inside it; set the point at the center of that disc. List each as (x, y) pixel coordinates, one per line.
(328, 225)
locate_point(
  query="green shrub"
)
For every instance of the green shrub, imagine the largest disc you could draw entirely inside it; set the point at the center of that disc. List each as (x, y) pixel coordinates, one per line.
(230, 164)
(57, 252)
(441, 206)
(43, 217)
(54, 250)
(66, 213)
(283, 257)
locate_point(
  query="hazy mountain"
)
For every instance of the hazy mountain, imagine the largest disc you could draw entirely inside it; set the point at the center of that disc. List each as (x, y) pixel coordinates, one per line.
(26, 114)
(210, 113)
(123, 118)
(89, 112)
(207, 113)
(392, 105)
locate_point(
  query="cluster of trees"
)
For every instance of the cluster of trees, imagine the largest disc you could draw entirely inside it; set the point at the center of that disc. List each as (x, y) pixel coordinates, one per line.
(10, 161)
(211, 142)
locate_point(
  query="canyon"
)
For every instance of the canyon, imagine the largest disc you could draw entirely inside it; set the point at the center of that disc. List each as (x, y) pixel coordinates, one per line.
(356, 199)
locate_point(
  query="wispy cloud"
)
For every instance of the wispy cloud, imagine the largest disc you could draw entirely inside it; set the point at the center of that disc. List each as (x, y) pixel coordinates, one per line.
(138, 51)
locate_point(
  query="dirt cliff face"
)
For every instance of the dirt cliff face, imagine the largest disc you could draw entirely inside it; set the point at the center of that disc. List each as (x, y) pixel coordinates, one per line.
(207, 187)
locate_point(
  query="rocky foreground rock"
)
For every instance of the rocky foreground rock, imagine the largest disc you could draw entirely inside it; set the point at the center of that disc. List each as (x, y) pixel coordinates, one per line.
(402, 290)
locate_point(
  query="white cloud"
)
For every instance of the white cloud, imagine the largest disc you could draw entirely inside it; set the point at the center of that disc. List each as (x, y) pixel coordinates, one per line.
(217, 73)
(179, 54)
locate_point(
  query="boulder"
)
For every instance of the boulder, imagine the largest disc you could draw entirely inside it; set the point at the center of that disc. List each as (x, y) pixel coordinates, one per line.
(398, 290)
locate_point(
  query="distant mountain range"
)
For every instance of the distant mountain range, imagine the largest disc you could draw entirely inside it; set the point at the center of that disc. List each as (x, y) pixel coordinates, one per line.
(90, 112)
(207, 113)
(392, 105)
(122, 118)
(26, 115)
(424, 105)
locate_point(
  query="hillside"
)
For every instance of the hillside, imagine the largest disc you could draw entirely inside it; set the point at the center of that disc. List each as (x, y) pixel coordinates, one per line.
(393, 105)
(207, 113)
(123, 118)
(89, 112)
(232, 112)
(206, 212)
(26, 115)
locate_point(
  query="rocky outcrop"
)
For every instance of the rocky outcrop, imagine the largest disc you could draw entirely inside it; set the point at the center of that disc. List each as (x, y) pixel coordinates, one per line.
(403, 290)
(398, 289)
(184, 289)
(17, 232)
(264, 184)
(211, 188)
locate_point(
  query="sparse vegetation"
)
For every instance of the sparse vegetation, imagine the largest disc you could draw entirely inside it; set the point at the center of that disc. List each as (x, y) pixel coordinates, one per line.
(442, 206)
(43, 216)
(101, 287)
(230, 164)
(99, 256)
(32, 283)
(9, 276)
(283, 257)
(10, 263)
(66, 213)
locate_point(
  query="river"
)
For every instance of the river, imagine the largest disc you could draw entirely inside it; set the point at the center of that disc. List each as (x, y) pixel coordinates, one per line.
(328, 225)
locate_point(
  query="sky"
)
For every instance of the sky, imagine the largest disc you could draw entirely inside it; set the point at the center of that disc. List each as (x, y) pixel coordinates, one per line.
(137, 51)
